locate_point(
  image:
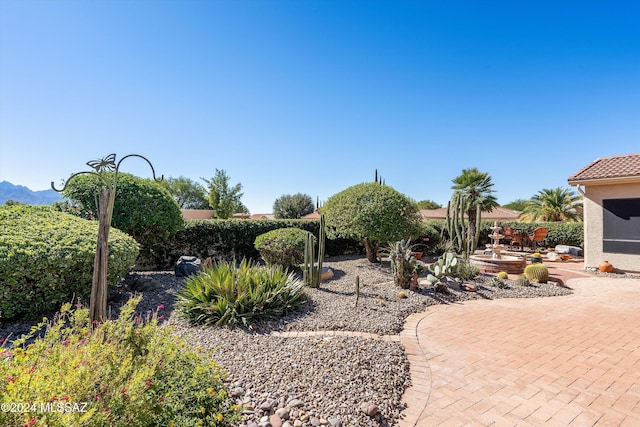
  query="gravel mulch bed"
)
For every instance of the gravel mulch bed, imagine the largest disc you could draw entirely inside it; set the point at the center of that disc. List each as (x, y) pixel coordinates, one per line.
(320, 380)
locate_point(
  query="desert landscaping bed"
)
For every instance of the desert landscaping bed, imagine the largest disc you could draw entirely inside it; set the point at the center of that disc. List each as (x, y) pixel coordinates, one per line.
(322, 379)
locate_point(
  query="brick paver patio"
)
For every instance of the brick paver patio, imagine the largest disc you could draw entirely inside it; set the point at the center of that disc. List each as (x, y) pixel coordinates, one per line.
(561, 361)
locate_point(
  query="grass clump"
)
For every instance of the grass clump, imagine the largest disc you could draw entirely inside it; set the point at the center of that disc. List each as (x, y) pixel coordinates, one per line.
(123, 372)
(225, 294)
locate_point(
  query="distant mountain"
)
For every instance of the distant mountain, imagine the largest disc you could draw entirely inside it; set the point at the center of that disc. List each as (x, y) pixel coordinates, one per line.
(19, 193)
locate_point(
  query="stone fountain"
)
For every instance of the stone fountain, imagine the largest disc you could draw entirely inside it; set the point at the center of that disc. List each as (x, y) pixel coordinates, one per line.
(496, 247)
(496, 261)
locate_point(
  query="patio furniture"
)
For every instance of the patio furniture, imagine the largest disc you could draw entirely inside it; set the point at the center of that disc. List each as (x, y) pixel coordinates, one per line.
(538, 235)
(508, 236)
(518, 238)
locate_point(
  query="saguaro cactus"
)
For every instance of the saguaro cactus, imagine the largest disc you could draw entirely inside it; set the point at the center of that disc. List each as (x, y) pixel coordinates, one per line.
(312, 270)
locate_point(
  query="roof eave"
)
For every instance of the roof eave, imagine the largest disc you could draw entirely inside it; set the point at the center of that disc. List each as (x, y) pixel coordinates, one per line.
(605, 181)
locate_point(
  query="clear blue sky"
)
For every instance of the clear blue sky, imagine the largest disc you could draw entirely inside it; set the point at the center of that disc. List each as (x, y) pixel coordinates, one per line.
(312, 96)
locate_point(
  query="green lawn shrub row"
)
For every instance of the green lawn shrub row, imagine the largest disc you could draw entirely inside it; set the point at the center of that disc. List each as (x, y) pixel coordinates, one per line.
(233, 239)
(46, 259)
(560, 233)
(123, 372)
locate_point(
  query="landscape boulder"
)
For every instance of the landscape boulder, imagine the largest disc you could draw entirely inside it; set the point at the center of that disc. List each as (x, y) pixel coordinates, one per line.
(571, 250)
(187, 266)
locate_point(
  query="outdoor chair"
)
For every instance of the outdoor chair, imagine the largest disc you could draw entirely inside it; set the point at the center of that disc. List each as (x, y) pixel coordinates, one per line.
(538, 235)
(507, 233)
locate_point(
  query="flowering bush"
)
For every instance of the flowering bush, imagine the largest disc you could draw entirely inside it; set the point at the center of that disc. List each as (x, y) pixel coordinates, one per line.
(123, 372)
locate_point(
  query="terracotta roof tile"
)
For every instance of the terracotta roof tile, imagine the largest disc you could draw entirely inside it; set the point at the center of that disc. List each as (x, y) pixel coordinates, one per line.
(609, 167)
(498, 213)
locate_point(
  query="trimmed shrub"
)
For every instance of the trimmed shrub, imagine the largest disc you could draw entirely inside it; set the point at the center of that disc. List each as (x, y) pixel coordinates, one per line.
(225, 294)
(143, 208)
(46, 258)
(373, 214)
(283, 246)
(126, 372)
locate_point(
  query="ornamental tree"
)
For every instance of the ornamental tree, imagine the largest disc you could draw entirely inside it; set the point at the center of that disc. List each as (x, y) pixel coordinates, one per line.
(372, 213)
(292, 206)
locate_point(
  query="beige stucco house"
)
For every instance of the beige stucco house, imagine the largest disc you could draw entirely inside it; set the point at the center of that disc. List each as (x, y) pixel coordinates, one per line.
(611, 190)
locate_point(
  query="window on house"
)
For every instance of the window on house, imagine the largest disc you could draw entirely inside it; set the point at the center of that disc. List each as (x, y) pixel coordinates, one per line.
(621, 226)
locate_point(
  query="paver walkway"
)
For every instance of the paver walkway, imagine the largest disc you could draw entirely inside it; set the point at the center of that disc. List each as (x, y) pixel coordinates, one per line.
(561, 361)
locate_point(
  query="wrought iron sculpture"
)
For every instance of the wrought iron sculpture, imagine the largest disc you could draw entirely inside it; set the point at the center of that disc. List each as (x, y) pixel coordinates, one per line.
(107, 171)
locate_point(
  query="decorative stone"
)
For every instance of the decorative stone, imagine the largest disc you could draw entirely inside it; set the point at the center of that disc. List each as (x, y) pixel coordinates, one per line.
(283, 413)
(297, 423)
(369, 408)
(275, 420)
(326, 274)
(268, 405)
(315, 422)
(335, 422)
(187, 266)
(296, 403)
(571, 250)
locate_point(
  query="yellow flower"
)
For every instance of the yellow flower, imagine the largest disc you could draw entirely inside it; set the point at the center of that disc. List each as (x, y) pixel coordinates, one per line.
(210, 391)
(220, 418)
(202, 409)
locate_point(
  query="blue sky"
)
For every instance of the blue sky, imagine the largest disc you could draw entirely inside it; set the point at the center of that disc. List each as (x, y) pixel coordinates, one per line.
(312, 96)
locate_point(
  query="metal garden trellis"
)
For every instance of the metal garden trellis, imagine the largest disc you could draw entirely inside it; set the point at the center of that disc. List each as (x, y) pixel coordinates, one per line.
(107, 171)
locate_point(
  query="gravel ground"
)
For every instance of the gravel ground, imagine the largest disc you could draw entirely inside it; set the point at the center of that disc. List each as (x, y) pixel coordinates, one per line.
(321, 380)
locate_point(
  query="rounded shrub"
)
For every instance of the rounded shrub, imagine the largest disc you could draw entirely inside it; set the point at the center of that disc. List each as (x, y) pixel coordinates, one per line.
(123, 372)
(46, 259)
(373, 214)
(143, 208)
(537, 273)
(283, 246)
(225, 294)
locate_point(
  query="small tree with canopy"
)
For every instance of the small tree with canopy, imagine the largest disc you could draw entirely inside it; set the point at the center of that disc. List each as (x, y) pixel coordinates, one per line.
(372, 213)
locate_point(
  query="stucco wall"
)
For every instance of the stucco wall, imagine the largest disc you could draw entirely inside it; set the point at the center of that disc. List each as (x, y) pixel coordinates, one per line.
(593, 214)
(197, 214)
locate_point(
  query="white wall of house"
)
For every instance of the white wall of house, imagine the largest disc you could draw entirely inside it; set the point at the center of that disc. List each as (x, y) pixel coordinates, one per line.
(593, 225)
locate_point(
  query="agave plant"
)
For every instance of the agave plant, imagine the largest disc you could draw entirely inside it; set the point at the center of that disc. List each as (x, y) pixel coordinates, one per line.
(225, 294)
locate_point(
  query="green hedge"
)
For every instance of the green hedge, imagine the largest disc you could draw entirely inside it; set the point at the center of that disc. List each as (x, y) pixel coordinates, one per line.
(560, 233)
(46, 258)
(226, 239)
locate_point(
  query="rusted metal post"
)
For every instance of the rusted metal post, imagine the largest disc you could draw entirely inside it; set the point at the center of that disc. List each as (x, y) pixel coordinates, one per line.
(106, 200)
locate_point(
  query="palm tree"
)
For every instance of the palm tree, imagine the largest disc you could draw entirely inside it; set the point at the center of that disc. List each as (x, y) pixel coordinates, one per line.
(476, 188)
(553, 205)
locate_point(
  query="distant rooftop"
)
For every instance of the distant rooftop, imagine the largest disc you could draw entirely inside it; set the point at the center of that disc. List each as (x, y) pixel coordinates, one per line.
(609, 168)
(497, 214)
